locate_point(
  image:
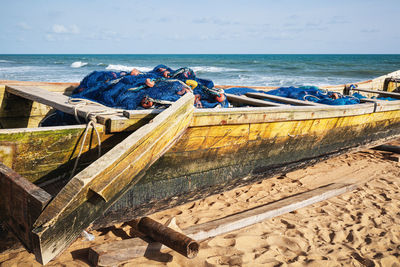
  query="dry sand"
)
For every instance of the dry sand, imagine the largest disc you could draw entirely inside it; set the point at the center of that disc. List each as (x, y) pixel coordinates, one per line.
(359, 228)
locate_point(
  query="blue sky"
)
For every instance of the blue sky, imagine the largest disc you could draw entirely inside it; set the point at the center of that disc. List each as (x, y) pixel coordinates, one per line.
(219, 26)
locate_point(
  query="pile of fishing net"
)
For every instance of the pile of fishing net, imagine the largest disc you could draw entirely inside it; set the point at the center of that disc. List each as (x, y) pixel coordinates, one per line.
(142, 90)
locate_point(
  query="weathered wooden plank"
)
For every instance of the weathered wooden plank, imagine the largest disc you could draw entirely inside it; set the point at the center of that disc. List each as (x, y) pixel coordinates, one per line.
(103, 181)
(284, 99)
(258, 214)
(251, 101)
(122, 251)
(58, 101)
(21, 203)
(384, 93)
(119, 252)
(36, 151)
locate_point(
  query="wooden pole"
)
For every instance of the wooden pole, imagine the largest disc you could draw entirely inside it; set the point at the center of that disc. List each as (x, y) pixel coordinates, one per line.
(167, 236)
(284, 99)
(251, 101)
(389, 94)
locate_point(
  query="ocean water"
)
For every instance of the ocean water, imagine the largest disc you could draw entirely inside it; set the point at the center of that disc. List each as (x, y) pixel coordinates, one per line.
(250, 70)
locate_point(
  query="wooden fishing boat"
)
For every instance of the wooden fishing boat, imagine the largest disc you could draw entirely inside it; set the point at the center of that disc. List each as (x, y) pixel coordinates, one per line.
(156, 159)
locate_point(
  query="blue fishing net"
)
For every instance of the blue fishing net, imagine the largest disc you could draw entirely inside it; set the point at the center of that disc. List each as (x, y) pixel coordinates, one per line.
(130, 91)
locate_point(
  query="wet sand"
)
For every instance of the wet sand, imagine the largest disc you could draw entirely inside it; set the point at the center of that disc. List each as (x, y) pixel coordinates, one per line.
(358, 228)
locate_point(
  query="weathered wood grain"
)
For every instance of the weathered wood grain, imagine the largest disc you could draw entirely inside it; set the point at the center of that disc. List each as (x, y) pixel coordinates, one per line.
(37, 152)
(100, 184)
(258, 214)
(57, 101)
(21, 203)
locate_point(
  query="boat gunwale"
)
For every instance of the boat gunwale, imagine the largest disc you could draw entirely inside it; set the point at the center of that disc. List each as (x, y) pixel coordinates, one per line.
(44, 129)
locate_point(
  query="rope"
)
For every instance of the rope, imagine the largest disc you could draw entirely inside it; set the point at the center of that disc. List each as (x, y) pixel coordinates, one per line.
(312, 96)
(49, 116)
(80, 102)
(159, 101)
(93, 124)
(91, 121)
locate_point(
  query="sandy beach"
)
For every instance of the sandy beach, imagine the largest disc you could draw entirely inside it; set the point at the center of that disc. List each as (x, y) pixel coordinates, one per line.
(358, 228)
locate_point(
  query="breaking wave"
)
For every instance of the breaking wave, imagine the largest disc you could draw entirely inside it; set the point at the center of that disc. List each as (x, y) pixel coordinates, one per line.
(203, 69)
(126, 68)
(78, 64)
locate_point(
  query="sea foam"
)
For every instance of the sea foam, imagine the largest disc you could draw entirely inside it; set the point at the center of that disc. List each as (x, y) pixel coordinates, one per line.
(126, 68)
(203, 69)
(78, 64)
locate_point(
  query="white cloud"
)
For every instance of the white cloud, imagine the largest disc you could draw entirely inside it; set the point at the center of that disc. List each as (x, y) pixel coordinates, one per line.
(61, 29)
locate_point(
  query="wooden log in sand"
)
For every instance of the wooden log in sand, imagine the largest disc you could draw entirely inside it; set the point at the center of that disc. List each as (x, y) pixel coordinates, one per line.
(167, 236)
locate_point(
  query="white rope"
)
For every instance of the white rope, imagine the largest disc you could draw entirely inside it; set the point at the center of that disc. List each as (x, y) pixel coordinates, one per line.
(93, 124)
(91, 121)
(80, 102)
(49, 116)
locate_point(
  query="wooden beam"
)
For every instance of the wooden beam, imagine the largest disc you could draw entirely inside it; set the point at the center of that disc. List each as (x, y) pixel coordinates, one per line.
(251, 101)
(57, 101)
(258, 214)
(384, 93)
(371, 100)
(96, 188)
(284, 99)
(21, 203)
(118, 252)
